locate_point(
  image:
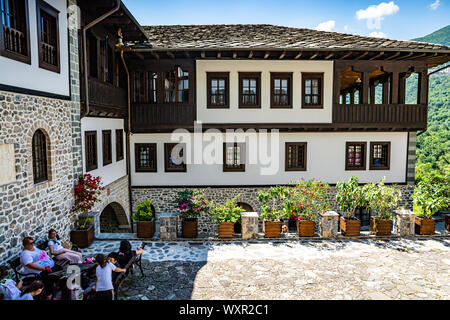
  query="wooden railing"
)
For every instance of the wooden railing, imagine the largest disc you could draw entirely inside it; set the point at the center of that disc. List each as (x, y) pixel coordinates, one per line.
(15, 40)
(49, 54)
(103, 95)
(156, 116)
(393, 115)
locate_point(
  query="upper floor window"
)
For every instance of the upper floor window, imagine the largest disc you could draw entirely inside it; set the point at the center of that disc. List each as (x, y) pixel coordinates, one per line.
(355, 156)
(139, 87)
(14, 30)
(92, 55)
(175, 157)
(380, 155)
(48, 36)
(249, 90)
(106, 147)
(295, 156)
(312, 90)
(152, 86)
(119, 145)
(145, 84)
(39, 144)
(218, 89)
(145, 157)
(233, 157)
(176, 86)
(281, 90)
(90, 150)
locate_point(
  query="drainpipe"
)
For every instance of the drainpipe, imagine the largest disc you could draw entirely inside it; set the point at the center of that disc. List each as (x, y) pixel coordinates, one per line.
(84, 29)
(128, 138)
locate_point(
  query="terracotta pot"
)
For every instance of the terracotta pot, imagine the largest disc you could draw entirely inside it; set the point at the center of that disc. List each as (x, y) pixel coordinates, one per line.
(305, 228)
(447, 222)
(380, 227)
(145, 229)
(272, 229)
(425, 226)
(82, 238)
(350, 228)
(226, 230)
(189, 228)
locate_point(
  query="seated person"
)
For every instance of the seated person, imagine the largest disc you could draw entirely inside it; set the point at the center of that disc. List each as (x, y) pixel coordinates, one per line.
(104, 288)
(11, 291)
(59, 252)
(36, 261)
(112, 257)
(125, 253)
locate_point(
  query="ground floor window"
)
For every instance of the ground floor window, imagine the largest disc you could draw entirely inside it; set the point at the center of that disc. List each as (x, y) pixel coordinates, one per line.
(380, 155)
(233, 157)
(295, 156)
(355, 156)
(145, 157)
(175, 157)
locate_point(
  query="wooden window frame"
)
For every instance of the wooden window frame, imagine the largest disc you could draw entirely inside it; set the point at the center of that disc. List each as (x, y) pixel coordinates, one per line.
(149, 87)
(218, 76)
(142, 86)
(305, 159)
(388, 157)
(312, 76)
(40, 154)
(48, 9)
(281, 76)
(241, 167)
(86, 151)
(106, 147)
(176, 89)
(364, 153)
(119, 145)
(251, 75)
(167, 151)
(137, 167)
(25, 58)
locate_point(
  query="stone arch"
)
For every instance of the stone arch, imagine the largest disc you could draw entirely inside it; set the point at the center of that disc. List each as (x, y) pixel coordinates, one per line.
(244, 205)
(114, 219)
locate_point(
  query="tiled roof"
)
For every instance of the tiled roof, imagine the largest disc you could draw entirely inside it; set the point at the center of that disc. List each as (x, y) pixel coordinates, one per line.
(263, 36)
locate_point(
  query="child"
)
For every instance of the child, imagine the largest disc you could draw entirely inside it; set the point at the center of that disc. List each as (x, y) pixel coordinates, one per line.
(112, 257)
(104, 289)
(32, 291)
(11, 291)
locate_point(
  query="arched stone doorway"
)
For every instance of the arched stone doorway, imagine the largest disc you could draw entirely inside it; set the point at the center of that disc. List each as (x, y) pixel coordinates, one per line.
(247, 208)
(113, 219)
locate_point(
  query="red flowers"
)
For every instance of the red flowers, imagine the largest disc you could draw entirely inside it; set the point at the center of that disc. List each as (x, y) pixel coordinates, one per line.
(86, 192)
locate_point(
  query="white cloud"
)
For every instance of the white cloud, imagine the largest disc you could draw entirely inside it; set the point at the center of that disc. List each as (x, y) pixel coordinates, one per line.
(326, 26)
(377, 34)
(346, 28)
(374, 14)
(435, 5)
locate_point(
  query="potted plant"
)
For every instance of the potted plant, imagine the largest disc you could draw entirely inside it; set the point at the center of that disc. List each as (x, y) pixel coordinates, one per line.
(226, 215)
(271, 210)
(383, 200)
(87, 192)
(145, 221)
(428, 198)
(309, 201)
(349, 197)
(191, 203)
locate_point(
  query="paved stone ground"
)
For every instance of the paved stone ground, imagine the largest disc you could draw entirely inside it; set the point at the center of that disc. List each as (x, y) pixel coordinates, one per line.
(353, 269)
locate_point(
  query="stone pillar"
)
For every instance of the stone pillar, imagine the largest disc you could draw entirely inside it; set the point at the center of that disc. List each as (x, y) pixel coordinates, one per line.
(404, 223)
(328, 224)
(249, 221)
(95, 215)
(168, 225)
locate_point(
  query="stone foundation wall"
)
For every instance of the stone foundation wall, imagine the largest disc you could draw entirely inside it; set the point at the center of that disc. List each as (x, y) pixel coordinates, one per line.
(163, 200)
(28, 209)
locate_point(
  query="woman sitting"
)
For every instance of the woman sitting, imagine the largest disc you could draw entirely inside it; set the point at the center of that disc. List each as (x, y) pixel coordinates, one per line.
(36, 261)
(59, 252)
(104, 289)
(11, 291)
(125, 253)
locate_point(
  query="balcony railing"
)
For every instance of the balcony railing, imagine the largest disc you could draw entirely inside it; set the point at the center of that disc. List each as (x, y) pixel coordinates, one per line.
(49, 54)
(15, 40)
(382, 115)
(105, 97)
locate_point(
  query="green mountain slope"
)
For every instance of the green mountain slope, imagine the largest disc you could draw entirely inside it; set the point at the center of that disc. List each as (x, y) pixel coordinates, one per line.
(441, 36)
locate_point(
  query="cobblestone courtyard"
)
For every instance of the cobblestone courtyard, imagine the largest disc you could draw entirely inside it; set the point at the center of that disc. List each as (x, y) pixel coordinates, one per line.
(352, 269)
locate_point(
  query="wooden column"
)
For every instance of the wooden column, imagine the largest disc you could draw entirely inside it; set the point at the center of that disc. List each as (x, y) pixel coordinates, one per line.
(352, 96)
(401, 88)
(365, 87)
(372, 93)
(422, 87)
(394, 87)
(386, 91)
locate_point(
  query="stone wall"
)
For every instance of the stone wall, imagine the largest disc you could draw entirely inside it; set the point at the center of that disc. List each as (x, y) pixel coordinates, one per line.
(163, 200)
(28, 209)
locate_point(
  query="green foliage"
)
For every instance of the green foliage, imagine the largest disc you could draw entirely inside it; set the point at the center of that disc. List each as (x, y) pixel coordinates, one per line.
(228, 212)
(307, 198)
(191, 203)
(382, 199)
(350, 196)
(144, 211)
(271, 208)
(431, 195)
(441, 36)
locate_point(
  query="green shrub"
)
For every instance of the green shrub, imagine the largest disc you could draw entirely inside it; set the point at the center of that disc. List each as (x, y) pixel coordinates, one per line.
(144, 211)
(382, 199)
(191, 203)
(228, 212)
(350, 196)
(271, 208)
(430, 196)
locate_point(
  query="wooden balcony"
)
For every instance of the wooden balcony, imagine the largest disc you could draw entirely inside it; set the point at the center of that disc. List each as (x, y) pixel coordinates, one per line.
(106, 99)
(155, 117)
(395, 116)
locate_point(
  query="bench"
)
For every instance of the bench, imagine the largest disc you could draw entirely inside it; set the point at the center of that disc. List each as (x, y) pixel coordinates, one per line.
(135, 260)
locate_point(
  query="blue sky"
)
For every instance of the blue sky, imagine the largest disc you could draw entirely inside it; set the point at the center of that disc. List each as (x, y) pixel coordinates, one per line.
(397, 19)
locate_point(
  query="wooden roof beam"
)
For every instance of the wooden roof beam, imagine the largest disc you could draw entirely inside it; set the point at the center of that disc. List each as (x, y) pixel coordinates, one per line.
(282, 55)
(394, 56)
(313, 56)
(234, 55)
(267, 55)
(155, 55)
(377, 56)
(170, 54)
(407, 56)
(187, 55)
(362, 55)
(329, 56)
(250, 55)
(219, 54)
(203, 54)
(346, 55)
(298, 55)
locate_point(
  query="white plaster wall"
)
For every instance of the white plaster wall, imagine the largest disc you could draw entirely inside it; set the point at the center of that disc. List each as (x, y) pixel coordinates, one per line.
(325, 161)
(19, 74)
(116, 169)
(265, 114)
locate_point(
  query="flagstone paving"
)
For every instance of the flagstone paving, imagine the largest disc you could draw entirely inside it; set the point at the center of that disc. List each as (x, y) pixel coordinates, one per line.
(351, 269)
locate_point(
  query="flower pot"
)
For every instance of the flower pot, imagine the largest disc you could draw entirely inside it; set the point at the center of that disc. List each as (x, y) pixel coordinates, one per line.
(145, 229)
(350, 228)
(226, 230)
(425, 226)
(305, 228)
(380, 227)
(272, 229)
(447, 222)
(189, 228)
(83, 238)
